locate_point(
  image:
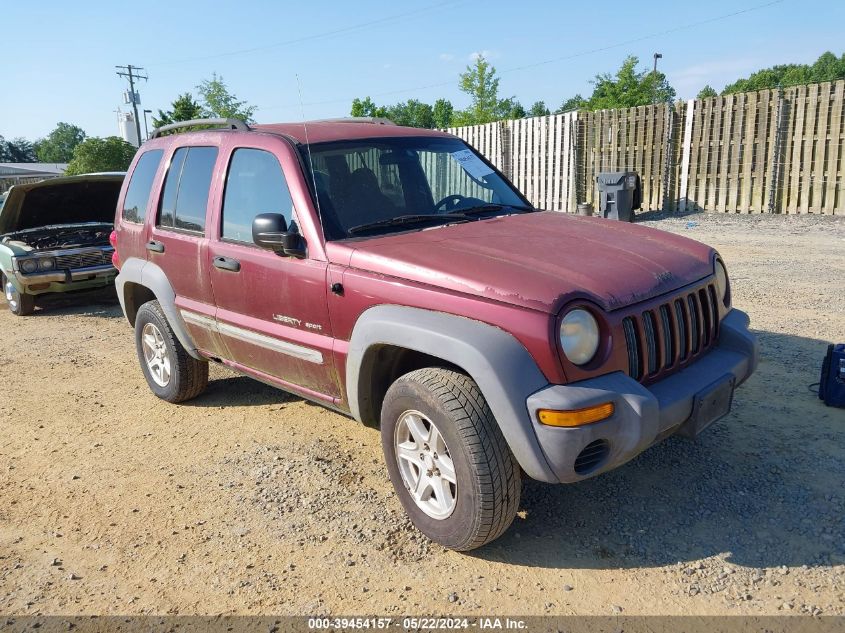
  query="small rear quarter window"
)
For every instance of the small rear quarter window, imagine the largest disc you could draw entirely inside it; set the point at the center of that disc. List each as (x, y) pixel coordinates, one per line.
(140, 185)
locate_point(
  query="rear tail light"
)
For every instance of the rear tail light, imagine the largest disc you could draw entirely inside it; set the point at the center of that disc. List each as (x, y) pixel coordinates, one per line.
(115, 260)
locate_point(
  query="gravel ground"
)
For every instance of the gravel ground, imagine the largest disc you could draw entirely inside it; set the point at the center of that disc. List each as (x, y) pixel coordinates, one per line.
(249, 500)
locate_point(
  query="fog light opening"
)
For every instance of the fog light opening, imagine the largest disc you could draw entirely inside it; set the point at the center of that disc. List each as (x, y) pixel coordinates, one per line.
(592, 456)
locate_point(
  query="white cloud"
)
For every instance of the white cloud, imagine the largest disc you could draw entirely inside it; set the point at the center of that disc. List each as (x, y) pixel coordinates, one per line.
(485, 54)
(446, 57)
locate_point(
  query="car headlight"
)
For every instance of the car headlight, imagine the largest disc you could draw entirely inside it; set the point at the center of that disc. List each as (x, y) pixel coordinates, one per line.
(722, 281)
(29, 265)
(579, 336)
(47, 263)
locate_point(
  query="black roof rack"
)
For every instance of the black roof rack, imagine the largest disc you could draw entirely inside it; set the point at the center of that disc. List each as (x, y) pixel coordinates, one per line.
(231, 124)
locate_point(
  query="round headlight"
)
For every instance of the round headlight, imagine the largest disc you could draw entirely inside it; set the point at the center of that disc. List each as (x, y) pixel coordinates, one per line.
(48, 263)
(722, 280)
(29, 265)
(579, 336)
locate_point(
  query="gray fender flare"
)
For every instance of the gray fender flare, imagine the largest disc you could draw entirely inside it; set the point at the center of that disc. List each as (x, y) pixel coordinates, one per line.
(503, 369)
(149, 275)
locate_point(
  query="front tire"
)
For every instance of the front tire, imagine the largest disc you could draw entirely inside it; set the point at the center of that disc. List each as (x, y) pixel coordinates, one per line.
(448, 461)
(172, 374)
(20, 303)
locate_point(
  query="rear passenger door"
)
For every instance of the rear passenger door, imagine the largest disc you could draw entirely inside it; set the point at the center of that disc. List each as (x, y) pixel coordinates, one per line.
(178, 243)
(272, 311)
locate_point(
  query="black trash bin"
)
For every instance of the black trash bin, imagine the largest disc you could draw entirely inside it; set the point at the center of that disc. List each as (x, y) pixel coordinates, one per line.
(620, 194)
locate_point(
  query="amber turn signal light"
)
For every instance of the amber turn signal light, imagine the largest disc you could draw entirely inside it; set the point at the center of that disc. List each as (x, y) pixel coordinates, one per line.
(578, 417)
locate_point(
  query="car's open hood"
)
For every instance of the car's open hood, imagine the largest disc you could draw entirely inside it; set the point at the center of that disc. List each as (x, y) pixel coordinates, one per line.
(69, 200)
(539, 260)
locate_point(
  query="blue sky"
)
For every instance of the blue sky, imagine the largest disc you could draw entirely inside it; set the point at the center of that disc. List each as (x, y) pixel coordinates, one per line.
(59, 57)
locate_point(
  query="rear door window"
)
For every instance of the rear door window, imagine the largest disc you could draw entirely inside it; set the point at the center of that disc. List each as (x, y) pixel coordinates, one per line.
(185, 198)
(255, 184)
(140, 185)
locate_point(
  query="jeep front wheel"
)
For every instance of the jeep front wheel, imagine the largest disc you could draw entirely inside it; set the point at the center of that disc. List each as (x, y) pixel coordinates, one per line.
(19, 303)
(172, 374)
(447, 459)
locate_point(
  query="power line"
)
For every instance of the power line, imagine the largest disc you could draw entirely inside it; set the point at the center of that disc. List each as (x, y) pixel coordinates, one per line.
(299, 40)
(554, 59)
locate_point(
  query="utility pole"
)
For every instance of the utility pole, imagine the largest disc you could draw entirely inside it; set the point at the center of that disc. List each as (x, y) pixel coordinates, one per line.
(654, 78)
(126, 71)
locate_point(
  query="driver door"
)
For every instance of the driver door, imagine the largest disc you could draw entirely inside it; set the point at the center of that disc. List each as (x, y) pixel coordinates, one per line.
(272, 311)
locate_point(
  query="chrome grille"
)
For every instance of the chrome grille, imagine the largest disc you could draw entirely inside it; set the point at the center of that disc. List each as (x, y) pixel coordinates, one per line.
(661, 338)
(83, 260)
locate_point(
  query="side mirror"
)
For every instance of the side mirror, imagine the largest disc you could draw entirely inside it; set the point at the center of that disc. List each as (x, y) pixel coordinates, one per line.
(270, 231)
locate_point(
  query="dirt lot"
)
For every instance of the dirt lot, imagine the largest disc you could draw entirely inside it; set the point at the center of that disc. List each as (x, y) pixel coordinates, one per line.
(249, 500)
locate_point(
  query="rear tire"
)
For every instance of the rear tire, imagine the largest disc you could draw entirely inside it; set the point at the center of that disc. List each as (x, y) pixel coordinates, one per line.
(440, 425)
(20, 303)
(172, 374)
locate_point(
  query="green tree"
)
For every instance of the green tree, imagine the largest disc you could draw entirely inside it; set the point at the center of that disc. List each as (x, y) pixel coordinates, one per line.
(481, 84)
(707, 92)
(629, 88)
(538, 109)
(509, 108)
(828, 67)
(101, 154)
(219, 102)
(366, 107)
(412, 113)
(184, 108)
(573, 103)
(59, 145)
(442, 113)
(18, 150)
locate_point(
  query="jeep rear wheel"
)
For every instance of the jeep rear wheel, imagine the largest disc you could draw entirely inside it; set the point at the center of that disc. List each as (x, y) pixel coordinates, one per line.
(19, 303)
(172, 374)
(447, 459)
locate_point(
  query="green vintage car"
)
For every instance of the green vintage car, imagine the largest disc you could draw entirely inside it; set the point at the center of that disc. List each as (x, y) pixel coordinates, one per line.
(54, 237)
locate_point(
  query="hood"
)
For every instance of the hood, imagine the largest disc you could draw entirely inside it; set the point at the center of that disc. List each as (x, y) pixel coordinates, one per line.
(58, 201)
(541, 260)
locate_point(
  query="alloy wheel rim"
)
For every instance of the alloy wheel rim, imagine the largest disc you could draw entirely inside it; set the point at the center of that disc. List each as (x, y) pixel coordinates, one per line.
(425, 464)
(11, 295)
(155, 354)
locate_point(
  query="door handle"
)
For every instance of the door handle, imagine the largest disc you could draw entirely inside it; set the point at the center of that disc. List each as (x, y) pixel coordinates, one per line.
(227, 263)
(155, 247)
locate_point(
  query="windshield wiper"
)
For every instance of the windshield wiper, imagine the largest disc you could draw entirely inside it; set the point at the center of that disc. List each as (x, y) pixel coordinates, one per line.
(409, 219)
(488, 208)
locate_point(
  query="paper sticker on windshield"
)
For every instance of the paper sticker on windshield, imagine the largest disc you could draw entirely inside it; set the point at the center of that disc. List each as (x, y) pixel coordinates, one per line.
(472, 164)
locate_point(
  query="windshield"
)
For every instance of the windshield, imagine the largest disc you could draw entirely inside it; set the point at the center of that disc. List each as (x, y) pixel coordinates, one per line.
(375, 186)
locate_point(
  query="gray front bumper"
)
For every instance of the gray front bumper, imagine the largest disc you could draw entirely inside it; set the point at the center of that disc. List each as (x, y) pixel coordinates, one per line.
(642, 415)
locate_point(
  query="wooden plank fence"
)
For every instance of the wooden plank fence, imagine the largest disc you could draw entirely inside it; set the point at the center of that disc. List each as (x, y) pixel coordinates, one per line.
(772, 151)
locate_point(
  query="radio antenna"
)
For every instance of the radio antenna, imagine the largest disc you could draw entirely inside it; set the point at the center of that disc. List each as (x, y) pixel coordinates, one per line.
(310, 159)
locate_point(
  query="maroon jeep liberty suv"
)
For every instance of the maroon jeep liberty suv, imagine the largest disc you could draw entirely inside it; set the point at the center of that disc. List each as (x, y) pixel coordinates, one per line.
(393, 274)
